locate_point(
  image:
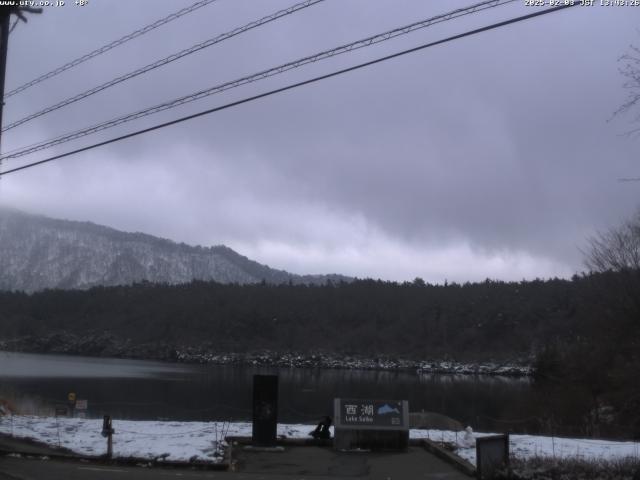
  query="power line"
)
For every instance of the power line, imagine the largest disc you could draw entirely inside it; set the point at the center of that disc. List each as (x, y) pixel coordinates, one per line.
(109, 46)
(292, 86)
(258, 76)
(165, 61)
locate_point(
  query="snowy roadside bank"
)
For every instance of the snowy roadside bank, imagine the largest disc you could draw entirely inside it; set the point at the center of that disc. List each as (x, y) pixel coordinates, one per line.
(534, 446)
(201, 441)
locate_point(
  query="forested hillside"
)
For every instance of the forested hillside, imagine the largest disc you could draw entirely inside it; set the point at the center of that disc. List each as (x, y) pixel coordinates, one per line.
(581, 335)
(482, 320)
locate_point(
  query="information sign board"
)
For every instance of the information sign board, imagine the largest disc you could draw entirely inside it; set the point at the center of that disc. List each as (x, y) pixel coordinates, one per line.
(376, 414)
(371, 424)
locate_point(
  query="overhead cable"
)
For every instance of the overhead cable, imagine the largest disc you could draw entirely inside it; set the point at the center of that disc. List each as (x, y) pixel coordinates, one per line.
(109, 46)
(166, 60)
(291, 87)
(381, 37)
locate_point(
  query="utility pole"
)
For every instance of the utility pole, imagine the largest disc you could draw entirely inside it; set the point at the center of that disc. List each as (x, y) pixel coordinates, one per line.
(5, 16)
(108, 431)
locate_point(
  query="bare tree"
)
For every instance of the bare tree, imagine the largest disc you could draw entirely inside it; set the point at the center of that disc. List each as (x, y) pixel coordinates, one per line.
(617, 250)
(615, 255)
(630, 70)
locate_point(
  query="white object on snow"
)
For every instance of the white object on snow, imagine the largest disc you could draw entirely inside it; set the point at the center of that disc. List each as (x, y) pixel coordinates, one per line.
(468, 440)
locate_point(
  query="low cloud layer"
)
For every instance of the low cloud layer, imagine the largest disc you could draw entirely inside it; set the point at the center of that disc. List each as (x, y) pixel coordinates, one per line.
(486, 157)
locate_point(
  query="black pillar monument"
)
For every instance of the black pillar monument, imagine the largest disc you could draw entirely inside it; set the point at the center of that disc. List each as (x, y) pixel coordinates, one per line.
(265, 410)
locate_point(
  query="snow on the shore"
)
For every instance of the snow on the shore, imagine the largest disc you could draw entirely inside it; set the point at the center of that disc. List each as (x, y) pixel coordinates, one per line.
(528, 446)
(167, 440)
(189, 441)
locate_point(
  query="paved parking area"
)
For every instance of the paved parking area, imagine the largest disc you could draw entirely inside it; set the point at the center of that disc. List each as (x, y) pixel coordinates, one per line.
(289, 462)
(324, 462)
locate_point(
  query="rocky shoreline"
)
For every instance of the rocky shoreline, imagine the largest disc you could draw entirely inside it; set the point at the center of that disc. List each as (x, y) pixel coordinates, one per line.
(107, 345)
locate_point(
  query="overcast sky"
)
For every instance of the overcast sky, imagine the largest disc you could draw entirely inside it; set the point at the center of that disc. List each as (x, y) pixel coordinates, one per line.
(490, 156)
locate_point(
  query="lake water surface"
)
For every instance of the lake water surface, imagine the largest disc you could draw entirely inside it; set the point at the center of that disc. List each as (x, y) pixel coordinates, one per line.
(134, 389)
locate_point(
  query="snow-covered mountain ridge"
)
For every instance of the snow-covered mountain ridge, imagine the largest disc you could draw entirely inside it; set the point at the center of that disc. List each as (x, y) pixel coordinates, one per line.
(38, 252)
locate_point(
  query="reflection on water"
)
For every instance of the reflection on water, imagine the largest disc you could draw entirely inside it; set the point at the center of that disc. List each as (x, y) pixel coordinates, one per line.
(130, 389)
(24, 365)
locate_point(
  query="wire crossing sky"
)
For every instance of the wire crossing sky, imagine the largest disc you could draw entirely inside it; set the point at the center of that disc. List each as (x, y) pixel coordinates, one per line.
(166, 60)
(109, 46)
(289, 87)
(358, 44)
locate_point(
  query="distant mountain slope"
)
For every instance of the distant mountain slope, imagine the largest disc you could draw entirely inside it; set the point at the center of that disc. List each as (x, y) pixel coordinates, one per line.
(38, 252)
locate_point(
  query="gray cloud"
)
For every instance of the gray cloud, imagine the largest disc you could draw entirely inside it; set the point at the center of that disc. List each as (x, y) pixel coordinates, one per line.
(489, 156)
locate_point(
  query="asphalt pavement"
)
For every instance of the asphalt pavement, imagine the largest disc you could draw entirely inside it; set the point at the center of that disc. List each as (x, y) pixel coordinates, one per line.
(289, 463)
(36, 468)
(302, 463)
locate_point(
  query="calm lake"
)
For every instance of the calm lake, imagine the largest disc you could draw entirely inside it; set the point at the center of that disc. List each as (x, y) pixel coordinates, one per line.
(133, 389)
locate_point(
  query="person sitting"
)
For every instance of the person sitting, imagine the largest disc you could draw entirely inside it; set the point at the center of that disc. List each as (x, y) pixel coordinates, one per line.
(322, 430)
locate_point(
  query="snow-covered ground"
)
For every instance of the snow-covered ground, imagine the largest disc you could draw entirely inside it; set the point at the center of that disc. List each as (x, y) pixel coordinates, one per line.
(528, 446)
(185, 441)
